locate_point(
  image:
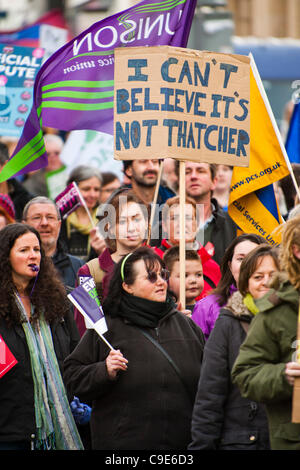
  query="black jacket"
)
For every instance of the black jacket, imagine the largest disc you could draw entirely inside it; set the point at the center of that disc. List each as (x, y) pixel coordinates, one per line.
(19, 196)
(222, 419)
(17, 419)
(146, 407)
(220, 231)
(77, 245)
(67, 266)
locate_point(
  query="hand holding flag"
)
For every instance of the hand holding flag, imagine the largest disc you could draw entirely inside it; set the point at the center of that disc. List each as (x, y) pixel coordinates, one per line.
(85, 299)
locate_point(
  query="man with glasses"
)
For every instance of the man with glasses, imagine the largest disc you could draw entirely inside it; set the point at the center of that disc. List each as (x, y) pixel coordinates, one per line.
(43, 214)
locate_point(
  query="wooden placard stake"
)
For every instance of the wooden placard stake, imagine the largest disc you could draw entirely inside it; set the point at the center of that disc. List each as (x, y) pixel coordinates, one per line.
(153, 205)
(182, 233)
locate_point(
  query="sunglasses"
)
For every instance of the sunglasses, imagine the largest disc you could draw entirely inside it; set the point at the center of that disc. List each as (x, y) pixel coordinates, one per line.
(153, 275)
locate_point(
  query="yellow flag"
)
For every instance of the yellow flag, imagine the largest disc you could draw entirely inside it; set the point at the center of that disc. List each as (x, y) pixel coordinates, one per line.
(252, 204)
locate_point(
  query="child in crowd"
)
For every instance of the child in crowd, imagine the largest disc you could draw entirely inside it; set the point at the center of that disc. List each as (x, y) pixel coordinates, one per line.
(171, 226)
(194, 281)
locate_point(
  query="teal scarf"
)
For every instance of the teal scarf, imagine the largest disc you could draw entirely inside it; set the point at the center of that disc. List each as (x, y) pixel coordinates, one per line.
(55, 426)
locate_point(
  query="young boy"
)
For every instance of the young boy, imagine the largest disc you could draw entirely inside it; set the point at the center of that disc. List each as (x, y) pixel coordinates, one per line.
(194, 281)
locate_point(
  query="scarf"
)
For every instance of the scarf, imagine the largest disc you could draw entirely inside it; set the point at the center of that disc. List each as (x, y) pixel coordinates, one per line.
(84, 229)
(55, 426)
(248, 301)
(144, 312)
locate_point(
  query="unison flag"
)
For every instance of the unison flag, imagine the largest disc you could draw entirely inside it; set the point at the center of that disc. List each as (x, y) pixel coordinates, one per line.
(292, 144)
(74, 89)
(252, 203)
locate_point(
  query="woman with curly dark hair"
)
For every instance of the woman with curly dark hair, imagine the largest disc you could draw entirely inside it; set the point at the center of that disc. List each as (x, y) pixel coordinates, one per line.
(36, 327)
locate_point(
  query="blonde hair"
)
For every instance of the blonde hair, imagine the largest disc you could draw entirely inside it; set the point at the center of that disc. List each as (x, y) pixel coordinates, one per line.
(288, 261)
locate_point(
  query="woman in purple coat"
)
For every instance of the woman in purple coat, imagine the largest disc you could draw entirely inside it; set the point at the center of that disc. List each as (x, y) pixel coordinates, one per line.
(207, 310)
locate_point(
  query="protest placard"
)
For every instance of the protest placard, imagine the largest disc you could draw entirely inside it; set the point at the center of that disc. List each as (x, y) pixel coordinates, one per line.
(18, 69)
(7, 359)
(94, 149)
(182, 103)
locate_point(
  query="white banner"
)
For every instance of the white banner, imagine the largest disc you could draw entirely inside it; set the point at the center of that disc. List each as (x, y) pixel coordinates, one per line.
(93, 148)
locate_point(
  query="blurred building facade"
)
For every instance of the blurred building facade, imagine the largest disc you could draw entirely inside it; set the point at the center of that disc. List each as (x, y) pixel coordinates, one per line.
(259, 18)
(266, 18)
(269, 29)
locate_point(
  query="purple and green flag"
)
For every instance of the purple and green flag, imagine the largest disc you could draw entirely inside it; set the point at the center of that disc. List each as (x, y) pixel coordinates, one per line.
(74, 89)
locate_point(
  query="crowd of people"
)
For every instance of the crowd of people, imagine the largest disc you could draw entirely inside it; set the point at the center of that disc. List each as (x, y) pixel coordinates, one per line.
(216, 373)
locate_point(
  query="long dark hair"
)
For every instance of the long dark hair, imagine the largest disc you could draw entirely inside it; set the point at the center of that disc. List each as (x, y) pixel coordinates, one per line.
(116, 292)
(223, 289)
(48, 295)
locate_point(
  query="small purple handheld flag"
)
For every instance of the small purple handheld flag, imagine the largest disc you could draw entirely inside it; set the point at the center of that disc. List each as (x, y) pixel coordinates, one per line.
(74, 89)
(68, 200)
(85, 299)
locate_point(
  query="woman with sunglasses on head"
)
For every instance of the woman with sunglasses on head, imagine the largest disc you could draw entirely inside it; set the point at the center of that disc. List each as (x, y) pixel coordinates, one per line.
(140, 399)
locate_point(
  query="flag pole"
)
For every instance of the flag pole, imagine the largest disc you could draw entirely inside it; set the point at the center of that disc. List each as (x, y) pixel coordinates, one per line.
(153, 205)
(273, 121)
(84, 205)
(88, 320)
(182, 233)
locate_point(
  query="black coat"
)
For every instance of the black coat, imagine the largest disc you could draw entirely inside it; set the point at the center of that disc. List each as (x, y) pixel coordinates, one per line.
(77, 244)
(17, 419)
(220, 232)
(146, 407)
(67, 266)
(222, 419)
(19, 196)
